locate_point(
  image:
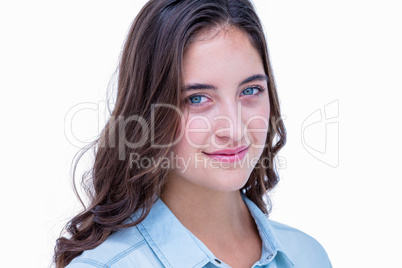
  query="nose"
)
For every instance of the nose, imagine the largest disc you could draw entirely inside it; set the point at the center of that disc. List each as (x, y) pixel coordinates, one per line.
(228, 125)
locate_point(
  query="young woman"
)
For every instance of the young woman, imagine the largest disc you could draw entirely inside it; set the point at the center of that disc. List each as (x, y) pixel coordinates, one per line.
(183, 166)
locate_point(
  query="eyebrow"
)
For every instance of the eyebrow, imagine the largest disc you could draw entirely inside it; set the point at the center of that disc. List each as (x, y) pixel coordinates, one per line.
(256, 77)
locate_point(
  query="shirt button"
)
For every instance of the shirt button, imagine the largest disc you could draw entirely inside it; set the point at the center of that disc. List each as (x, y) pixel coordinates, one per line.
(218, 261)
(270, 256)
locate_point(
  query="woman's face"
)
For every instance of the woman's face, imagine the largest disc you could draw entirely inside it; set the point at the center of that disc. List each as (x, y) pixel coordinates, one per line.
(226, 108)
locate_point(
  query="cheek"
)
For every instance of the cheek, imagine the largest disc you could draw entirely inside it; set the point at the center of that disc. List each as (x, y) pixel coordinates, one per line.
(257, 126)
(196, 134)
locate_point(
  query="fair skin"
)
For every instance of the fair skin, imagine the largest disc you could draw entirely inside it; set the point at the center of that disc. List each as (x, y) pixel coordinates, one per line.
(231, 112)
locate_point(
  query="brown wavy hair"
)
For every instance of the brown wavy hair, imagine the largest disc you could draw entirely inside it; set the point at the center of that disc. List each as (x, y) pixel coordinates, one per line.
(149, 73)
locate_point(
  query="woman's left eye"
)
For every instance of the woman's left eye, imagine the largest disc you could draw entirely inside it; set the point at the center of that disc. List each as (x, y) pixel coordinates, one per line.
(252, 90)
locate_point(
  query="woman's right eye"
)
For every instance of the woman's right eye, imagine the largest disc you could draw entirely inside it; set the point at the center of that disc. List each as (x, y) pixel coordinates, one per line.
(197, 99)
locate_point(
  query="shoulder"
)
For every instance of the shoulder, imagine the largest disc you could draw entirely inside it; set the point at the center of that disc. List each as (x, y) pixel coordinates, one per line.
(292, 236)
(300, 246)
(125, 248)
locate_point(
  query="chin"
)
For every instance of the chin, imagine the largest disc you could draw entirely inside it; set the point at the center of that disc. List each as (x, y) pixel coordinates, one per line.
(226, 181)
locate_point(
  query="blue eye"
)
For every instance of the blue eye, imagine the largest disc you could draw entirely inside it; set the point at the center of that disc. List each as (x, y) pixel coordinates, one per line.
(197, 99)
(251, 91)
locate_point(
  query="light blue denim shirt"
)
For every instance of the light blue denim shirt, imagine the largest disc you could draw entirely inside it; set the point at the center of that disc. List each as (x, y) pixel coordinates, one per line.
(160, 240)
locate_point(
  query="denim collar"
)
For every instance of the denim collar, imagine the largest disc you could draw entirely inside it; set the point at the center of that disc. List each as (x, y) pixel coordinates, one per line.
(176, 246)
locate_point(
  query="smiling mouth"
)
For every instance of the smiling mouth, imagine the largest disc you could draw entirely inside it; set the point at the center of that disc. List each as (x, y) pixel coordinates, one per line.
(229, 151)
(226, 153)
(227, 156)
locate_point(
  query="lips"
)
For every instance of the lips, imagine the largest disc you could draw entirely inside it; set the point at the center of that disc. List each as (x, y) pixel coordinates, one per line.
(229, 151)
(229, 155)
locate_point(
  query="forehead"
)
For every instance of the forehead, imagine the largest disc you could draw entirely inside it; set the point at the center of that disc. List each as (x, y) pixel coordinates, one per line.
(231, 34)
(223, 54)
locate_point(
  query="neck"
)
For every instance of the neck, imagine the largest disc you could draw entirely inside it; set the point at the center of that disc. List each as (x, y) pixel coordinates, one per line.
(209, 214)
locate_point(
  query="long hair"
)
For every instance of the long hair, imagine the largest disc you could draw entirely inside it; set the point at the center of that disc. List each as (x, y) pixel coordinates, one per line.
(150, 73)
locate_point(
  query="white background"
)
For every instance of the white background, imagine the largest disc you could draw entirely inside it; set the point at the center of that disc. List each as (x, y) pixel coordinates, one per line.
(57, 54)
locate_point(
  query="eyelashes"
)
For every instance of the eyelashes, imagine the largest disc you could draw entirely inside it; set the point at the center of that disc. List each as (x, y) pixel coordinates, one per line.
(200, 99)
(258, 88)
(196, 99)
